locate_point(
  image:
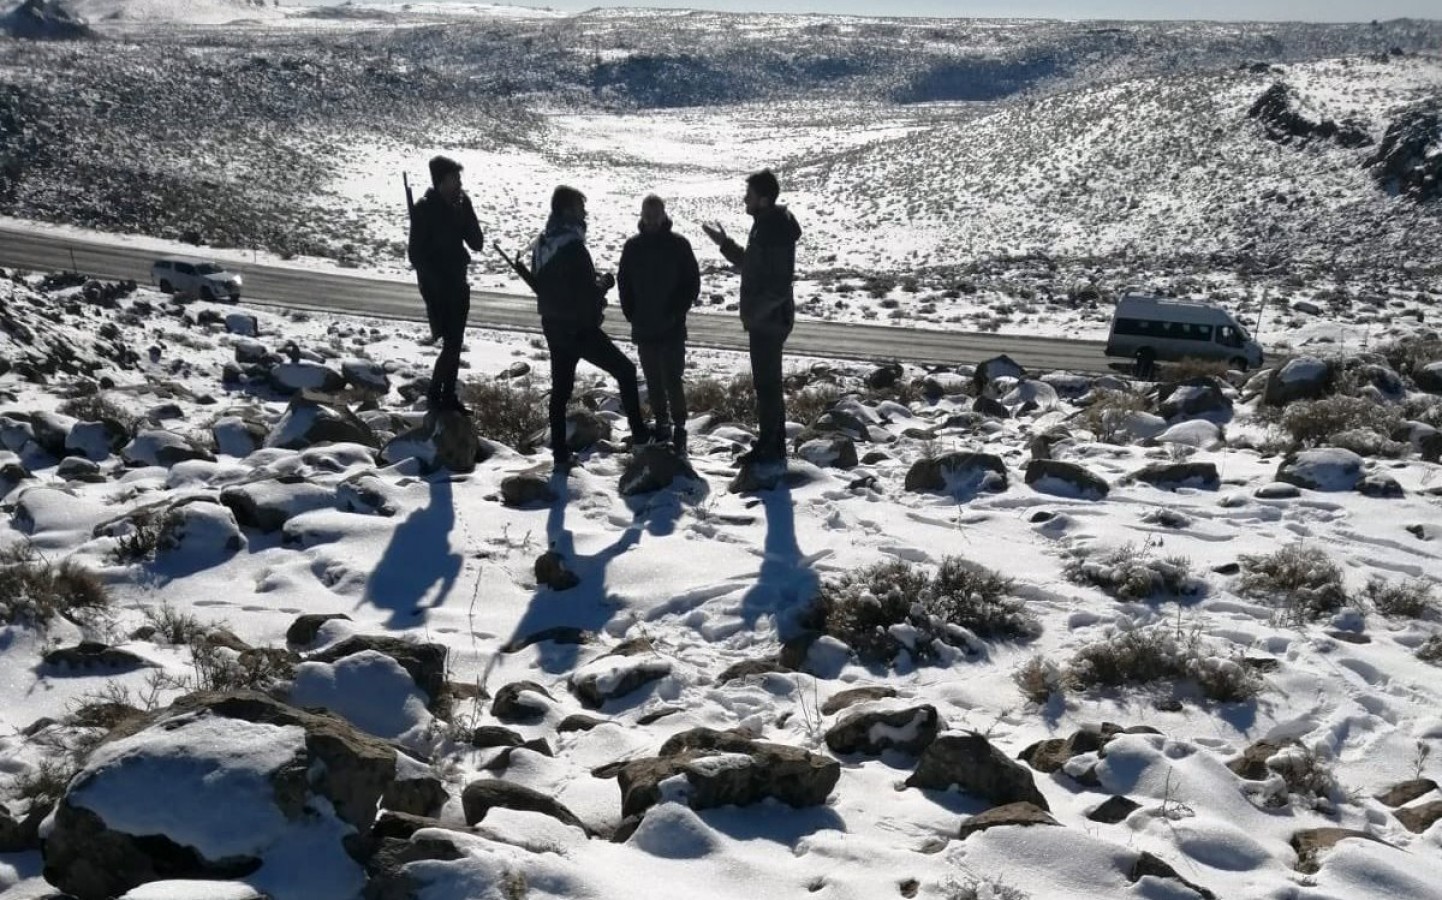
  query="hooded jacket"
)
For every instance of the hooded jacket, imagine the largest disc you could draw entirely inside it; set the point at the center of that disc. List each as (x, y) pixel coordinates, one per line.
(659, 282)
(768, 266)
(440, 233)
(567, 292)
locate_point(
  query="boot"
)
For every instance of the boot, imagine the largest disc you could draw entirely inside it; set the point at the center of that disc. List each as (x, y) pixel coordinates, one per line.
(678, 439)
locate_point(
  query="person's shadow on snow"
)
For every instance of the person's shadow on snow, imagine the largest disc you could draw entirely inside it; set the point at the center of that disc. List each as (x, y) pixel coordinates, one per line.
(418, 558)
(587, 607)
(786, 582)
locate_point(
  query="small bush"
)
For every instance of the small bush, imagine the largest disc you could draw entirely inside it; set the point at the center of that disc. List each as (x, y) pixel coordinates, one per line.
(1409, 354)
(1108, 413)
(1039, 678)
(1431, 652)
(511, 412)
(98, 408)
(43, 786)
(1302, 582)
(807, 405)
(728, 399)
(982, 888)
(1194, 367)
(1160, 654)
(34, 591)
(142, 536)
(883, 609)
(222, 669)
(1307, 776)
(174, 627)
(1364, 424)
(1130, 574)
(1400, 599)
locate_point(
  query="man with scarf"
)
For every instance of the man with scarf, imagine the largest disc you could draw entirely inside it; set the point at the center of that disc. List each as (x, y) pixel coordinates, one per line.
(443, 224)
(768, 305)
(570, 297)
(659, 282)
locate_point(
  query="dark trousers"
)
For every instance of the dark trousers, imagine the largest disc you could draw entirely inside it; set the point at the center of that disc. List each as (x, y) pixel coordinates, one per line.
(663, 363)
(447, 311)
(569, 345)
(766, 377)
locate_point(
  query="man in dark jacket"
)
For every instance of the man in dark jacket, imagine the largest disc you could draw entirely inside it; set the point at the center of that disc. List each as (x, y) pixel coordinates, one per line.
(443, 224)
(659, 282)
(570, 297)
(768, 305)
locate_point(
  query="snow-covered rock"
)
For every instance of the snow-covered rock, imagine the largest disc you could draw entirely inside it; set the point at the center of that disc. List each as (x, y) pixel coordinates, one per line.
(370, 690)
(96, 441)
(307, 423)
(1301, 378)
(162, 448)
(1323, 469)
(268, 505)
(294, 377)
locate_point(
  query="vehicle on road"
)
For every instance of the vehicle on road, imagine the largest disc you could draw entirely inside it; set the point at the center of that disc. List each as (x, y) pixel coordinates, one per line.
(195, 278)
(1149, 329)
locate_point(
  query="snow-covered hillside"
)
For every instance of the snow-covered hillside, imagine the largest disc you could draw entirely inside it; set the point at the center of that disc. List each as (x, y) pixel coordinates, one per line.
(710, 686)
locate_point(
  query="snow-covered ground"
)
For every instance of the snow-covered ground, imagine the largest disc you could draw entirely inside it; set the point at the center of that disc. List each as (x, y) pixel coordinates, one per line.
(691, 581)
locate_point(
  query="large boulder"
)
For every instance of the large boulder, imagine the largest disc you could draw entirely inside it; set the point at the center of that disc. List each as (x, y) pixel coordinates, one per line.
(1050, 476)
(958, 473)
(445, 440)
(44, 20)
(834, 452)
(992, 370)
(712, 769)
(1301, 378)
(201, 532)
(1170, 476)
(295, 377)
(480, 797)
(268, 505)
(97, 440)
(1323, 469)
(426, 663)
(306, 423)
(614, 676)
(871, 731)
(238, 436)
(366, 376)
(218, 786)
(1202, 396)
(1429, 377)
(162, 448)
(654, 468)
(969, 761)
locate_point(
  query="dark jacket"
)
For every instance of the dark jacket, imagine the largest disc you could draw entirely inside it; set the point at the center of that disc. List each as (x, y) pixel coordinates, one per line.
(768, 265)
(567, 292)
(440, 233)
(659, 282)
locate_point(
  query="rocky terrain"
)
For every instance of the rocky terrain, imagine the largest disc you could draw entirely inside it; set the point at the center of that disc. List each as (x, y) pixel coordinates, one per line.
(271, 631)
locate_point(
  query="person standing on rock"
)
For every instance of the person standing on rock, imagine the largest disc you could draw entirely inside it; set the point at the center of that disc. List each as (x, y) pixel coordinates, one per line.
(571, 298)
(659, 282)
(443, 225)
(768, 305)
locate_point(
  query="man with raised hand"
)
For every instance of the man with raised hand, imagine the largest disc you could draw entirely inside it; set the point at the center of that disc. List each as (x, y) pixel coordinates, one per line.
(443, 225)
(768, 304)
(659, 283)
(571, 298)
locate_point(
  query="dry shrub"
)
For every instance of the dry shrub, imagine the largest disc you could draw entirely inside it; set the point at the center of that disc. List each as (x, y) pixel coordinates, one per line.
(863, 608)
(510, 412)
(1194, 367)
(807, 404)
(1108, 413)
(1157, 655)
(1431, 651)
(1039, 678)
(142, 536)
(34, 591)
(728, 399)
(1303, 583)
(1411, 599)
(1409, 354)
(98, 408)
(1131, 574)
(1358, 425)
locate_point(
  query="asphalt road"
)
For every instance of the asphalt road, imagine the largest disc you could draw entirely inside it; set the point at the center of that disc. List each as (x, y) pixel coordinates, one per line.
(368, 296)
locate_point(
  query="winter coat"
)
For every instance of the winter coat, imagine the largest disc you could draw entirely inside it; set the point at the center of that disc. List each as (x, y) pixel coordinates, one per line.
(567, 292)
(440, 233)
(659, 282)
(768, 265)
